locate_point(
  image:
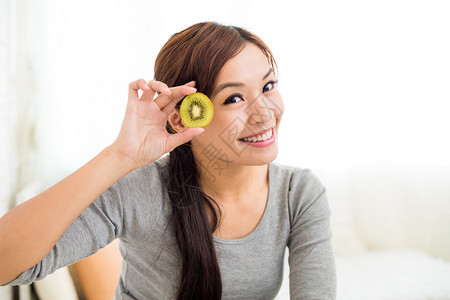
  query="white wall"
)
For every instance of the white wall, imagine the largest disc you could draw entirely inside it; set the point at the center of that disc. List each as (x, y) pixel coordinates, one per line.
(365, 86)
(8, 170)
(7, 110)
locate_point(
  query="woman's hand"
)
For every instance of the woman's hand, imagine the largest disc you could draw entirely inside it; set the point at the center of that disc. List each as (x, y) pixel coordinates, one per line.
(143, 137)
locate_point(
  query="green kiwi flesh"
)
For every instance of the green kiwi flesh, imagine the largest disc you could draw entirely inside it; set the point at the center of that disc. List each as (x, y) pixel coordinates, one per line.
(196, 110)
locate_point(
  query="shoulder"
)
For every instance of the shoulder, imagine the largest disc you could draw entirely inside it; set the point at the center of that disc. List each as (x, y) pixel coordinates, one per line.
(301, 187)
(148, 179)
(295, 178)
(139, 193)
(152, 170)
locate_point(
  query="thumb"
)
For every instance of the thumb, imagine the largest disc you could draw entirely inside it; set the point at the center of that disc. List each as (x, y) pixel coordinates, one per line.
(175, 140)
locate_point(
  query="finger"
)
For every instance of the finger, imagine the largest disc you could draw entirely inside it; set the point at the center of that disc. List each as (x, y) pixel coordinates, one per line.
(177, 94)
(143, 85)
(191, 83)
(177, 139)
(158, 86)
(155, 87)
(182, 90)
(170, 106)
(134, 87)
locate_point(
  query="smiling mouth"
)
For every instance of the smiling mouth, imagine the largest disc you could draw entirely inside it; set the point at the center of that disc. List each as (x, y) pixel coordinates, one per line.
(263, 136)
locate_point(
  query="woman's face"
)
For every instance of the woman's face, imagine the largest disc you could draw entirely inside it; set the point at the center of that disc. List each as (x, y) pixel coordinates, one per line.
(247, 113)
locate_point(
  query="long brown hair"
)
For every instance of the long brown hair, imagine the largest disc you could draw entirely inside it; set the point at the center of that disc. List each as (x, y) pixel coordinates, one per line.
(197, 53)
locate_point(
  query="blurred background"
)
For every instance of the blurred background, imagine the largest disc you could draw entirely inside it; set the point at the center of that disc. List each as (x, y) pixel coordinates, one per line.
(366, 86)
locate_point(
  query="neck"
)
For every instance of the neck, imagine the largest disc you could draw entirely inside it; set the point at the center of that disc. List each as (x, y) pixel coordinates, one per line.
(234, 182)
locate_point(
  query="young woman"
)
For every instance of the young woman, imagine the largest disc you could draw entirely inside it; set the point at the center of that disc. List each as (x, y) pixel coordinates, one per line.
(210, 220)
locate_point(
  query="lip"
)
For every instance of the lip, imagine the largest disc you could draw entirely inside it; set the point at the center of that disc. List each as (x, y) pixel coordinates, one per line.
(262, 143)
(259, 133)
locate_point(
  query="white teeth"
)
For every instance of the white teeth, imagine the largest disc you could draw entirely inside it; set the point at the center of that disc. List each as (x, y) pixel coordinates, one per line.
(260, 138)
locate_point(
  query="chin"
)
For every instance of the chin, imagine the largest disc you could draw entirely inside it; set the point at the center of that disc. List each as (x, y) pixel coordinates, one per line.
(261, 158)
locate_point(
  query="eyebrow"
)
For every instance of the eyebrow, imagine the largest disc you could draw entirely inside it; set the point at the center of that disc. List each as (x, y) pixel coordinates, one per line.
(236, 84)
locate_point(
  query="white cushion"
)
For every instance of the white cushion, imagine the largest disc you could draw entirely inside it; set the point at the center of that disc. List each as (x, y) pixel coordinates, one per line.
(392, 275)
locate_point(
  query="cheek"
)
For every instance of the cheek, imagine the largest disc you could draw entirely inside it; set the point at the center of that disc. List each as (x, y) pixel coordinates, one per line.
(224, 130)
(279, 105)
(227, 120)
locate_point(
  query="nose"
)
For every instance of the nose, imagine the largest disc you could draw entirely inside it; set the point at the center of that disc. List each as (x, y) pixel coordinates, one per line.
(260, 110)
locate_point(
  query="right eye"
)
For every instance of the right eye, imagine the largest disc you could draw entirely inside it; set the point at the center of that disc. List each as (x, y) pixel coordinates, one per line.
(233, 99)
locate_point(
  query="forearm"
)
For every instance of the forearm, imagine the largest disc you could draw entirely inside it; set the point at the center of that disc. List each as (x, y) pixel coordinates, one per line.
(29, 231)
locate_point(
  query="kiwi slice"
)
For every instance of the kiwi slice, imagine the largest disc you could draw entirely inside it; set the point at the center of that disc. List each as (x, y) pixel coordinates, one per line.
(196, 110)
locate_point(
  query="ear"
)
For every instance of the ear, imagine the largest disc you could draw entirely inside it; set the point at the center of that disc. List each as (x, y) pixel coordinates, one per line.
(175, 121)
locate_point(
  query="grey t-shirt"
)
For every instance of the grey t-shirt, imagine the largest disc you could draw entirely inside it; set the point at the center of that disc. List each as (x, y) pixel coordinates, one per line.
(137, 209)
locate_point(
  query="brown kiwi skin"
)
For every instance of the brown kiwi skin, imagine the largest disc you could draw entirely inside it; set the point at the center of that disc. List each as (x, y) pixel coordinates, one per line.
(186, 114)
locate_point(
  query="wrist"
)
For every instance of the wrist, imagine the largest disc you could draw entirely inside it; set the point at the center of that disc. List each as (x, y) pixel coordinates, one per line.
(120, 160)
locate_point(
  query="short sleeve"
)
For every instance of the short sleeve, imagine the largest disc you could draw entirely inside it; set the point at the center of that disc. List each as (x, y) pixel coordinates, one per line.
(311, 255)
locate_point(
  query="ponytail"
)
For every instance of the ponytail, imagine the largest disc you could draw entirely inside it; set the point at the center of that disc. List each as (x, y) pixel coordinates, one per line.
(200, 273)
